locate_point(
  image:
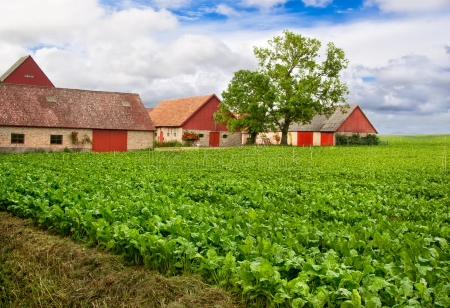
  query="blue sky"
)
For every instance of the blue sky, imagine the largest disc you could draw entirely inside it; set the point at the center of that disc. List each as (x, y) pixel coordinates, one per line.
(399, 50)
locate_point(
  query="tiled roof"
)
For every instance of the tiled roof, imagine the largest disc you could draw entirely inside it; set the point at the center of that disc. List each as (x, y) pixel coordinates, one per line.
(24, 105)
(13, 68)
(320, 123)
(176, 112)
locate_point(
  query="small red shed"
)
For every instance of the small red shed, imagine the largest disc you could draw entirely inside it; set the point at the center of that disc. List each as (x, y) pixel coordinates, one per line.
(322, 130)
(26, 71)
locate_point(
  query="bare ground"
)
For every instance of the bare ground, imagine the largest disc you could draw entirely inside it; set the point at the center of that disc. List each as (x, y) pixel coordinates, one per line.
(38, 269)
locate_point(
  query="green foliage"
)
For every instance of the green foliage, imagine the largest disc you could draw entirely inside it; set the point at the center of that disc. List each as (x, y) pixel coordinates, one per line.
(282, 226)
(166, 144)
(303, 86)
(251, 97)
(80, 141)
(356, 139)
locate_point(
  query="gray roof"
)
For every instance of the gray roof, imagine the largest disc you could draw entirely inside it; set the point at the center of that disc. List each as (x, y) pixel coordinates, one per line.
(320, 123)
(13, 68)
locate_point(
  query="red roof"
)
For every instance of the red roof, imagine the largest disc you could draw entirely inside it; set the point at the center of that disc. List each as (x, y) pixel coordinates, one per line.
(24, 105)
(176, 112)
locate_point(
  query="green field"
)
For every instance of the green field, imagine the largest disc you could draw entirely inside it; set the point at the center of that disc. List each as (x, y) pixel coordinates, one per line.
(276, 226)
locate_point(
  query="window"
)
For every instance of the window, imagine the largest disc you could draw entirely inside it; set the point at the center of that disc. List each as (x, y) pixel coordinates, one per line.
(56, 139)
(174, 134)
(168, 134)
(17, 138)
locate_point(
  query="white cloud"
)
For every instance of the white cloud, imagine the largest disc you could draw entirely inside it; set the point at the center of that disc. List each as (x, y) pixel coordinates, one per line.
(317, 3)
(226, 10)
(171, 4)
(408, 5)
(411, 86)
(263, 4)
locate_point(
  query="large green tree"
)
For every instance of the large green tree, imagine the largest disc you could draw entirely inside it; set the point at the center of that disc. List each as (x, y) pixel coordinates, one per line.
(247, 103)
(300, 86)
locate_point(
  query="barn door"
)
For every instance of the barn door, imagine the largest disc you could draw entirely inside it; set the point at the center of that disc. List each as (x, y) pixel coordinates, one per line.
(214, 139)
(109, 140)
(161, 136)
(327, 139)
(304, 138)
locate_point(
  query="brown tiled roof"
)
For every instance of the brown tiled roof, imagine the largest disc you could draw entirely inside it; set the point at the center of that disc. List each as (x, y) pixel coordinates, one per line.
(24, 105)
(176, 112)
(13, 68)
(320, 123)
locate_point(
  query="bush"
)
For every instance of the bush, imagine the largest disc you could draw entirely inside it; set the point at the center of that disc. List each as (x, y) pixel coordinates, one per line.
(166, 144)
(356, 139)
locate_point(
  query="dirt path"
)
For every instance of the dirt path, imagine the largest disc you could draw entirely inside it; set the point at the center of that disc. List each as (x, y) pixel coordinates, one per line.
(38, 269)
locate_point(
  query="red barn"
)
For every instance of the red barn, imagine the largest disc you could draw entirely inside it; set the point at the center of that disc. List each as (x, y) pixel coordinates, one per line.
(322, 130)
(26, 71)
(172, 117)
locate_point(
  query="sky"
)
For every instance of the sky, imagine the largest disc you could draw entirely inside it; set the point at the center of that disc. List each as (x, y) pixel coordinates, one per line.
(398, 50)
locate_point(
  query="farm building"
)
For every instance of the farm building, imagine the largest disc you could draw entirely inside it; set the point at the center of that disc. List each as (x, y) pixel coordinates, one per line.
(322, 131)
(173, 117)
(34, 115)
(52, 119)
(26, 71)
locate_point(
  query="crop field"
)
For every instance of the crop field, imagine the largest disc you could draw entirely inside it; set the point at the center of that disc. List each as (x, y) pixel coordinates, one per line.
(275, 226)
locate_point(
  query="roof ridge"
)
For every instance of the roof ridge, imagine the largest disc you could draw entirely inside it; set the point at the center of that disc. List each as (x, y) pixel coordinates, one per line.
(71, 89)
(13, 67)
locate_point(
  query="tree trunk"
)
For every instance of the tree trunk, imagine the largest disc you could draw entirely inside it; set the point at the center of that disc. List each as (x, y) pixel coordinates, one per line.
(253, 137)
(284, 132)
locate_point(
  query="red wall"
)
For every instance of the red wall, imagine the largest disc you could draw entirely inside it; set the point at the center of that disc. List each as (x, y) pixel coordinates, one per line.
(29, 68)
(357, 122)
(203, 118)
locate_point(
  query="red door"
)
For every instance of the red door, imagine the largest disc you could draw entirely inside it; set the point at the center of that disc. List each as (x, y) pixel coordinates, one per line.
(214, 139)
(100, 140)
(109, 140)
(304, 138)
(118, 141)
(161, 136)
(327, 139)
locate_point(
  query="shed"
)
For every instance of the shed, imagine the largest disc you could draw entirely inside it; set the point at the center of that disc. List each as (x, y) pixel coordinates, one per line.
(49, 118)
(26, 71)
(172, 117)
(323, 130)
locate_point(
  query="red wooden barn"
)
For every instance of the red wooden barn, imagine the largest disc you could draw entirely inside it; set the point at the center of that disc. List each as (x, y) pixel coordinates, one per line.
(322, 130)
(26, 71)
(172, 117)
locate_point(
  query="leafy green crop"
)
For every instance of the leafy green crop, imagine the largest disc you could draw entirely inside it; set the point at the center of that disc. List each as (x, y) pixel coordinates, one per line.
(281, 226)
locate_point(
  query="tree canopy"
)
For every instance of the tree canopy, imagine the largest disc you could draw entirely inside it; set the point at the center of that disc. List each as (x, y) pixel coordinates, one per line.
(289, 86)
(251, 96)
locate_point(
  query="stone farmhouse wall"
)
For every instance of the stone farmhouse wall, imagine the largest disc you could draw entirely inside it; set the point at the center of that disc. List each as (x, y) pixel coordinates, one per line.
(39, 138)
(138, 140)
(231, 139)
